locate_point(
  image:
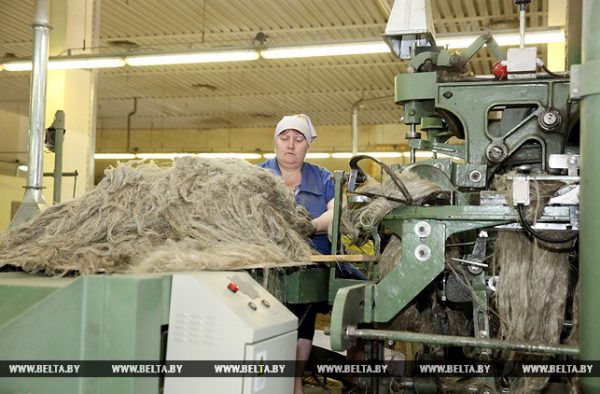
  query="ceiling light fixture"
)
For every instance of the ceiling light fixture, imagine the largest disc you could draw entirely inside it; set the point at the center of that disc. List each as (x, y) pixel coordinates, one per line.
(232, 155)
(159, 156)
(455, 41)
(426, 155)
(69, 63)
(505, 38)
(379, 155)
(114, 156)
(309, 155)
(171, 156)
(192, 57)
(333, 49)
(318, 155)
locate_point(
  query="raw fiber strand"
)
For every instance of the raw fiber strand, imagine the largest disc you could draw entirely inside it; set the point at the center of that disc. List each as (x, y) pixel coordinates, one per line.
(358, 218)
(531, 296)
(198, 214)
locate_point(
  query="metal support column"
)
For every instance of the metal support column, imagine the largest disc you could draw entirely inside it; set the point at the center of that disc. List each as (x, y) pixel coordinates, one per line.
(59, 135)
(590, 191)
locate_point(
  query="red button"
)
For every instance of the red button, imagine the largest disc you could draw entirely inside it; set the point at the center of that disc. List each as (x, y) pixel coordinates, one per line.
(500, 70)
(233, 287)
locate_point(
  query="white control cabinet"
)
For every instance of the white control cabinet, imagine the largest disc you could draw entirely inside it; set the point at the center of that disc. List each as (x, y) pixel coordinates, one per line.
(227, 316)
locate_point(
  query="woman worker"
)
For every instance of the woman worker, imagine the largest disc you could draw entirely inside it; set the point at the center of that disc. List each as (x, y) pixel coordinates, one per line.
(314, 190)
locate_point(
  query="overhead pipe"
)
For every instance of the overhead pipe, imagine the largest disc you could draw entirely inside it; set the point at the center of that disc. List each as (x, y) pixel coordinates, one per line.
(33, 200)
(129, 115)
(355, 110)
(522, 22)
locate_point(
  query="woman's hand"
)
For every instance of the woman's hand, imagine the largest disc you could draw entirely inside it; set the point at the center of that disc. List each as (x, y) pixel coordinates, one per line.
(322, 222)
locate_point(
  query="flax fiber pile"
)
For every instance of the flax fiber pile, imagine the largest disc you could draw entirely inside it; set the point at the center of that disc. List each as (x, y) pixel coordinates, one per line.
(198, 214)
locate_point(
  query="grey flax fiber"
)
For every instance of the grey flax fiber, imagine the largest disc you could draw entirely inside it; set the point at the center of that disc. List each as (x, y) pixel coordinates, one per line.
(532, 295)
(534, 278)
(199, 214)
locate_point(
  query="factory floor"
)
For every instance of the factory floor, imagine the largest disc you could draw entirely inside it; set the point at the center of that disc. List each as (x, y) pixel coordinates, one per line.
(331, 387)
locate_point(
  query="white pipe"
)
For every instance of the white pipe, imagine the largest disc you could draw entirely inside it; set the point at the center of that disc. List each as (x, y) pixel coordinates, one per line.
(355, 110)
(522, 26)
(37, 104)
(33, 200)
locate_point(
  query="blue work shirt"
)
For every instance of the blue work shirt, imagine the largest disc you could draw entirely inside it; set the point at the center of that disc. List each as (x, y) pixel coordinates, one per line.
(315, 191)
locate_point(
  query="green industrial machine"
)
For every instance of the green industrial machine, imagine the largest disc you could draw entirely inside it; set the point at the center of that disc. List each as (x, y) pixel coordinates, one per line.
(96, 320)
(519, 126)
(85, 318)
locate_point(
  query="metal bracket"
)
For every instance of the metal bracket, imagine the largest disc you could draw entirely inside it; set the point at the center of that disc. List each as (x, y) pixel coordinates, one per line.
(348, 310)
(564, 161)
(481, 322)
(457, 151)
(584, 79)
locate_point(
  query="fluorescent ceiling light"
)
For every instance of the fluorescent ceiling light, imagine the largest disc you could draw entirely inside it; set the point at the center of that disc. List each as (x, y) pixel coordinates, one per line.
(309, 155)
(70, 63)
(189, 58)
(380, 155)
(100, 62)
(23, 167)
(333, 49)
(159, 156)
(254, 156)
(504, 38)
(341, 155)
(426, 155)
(318, 155)
(114, 156)
(18, 66)
(383, 155)
(389, 155)
(232, 155)
(546, 36)
(171, 156)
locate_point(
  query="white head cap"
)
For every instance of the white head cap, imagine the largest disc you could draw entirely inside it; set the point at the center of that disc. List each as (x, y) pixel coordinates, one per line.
(299, 122)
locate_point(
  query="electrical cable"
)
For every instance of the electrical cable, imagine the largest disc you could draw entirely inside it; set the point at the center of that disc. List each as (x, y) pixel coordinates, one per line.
(553, 74)
(532, 232)
(407, 196)
(376, 195)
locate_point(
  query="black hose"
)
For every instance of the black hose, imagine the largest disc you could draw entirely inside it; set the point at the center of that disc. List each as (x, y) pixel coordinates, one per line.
(398, 182)
(537, 235)
(553, 74)
(401, 186)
